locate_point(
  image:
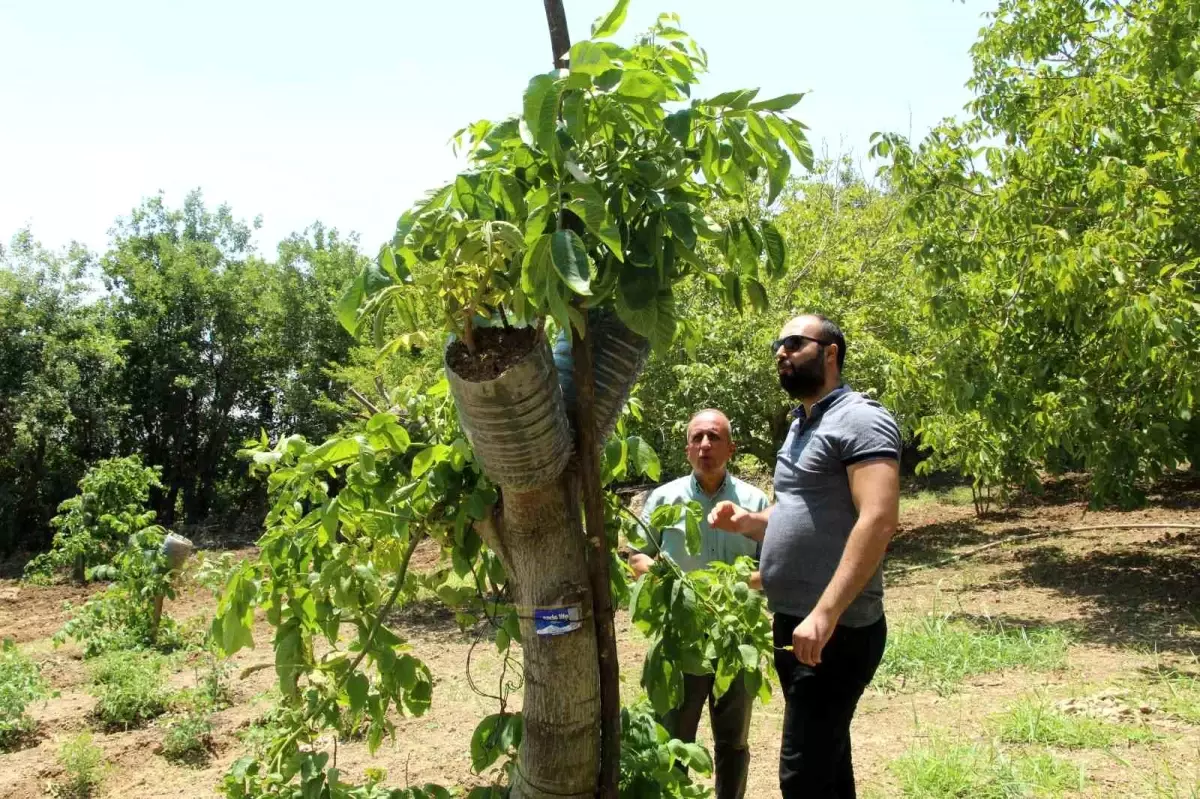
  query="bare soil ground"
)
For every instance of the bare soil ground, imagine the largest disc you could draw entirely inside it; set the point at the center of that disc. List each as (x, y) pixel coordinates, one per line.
(1130, 599)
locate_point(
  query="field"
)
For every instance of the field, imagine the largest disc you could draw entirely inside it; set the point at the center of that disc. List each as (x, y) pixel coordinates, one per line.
(1061, 664)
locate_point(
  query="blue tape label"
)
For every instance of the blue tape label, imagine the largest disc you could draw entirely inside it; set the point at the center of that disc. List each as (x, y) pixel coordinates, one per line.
(556, 621)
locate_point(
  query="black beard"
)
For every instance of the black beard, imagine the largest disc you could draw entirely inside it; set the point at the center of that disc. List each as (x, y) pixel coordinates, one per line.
(805, 380)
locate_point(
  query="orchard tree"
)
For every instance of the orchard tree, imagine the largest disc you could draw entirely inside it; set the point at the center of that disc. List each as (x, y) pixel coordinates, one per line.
(1056, 230)
(553, 262)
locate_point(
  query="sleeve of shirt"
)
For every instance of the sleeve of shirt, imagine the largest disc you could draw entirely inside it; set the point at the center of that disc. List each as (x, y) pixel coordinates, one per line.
(652, 502)
(870, 433)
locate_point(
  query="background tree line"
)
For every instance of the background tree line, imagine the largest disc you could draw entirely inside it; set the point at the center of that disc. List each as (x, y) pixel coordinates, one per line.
(1020, 288)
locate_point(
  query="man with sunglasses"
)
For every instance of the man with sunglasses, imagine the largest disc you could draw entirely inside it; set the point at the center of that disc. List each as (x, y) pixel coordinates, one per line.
(837, 487)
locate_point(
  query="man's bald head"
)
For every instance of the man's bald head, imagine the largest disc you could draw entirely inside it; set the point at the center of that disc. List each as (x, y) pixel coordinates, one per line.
(714, 416)
(709, 446)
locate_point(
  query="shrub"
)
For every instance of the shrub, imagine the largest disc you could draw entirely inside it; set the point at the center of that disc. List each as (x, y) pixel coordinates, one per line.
(94, 525)
(129, 689)
(83, 766)
(188, 738)
(20, 684)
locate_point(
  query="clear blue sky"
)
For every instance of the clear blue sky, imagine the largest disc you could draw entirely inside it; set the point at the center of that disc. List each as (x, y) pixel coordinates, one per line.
(302, 111)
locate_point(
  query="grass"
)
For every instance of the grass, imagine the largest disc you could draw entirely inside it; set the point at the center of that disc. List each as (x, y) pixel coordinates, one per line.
(1176, 691)
(1033, 720)
(942, 770)
(956, 496)
(940, 651)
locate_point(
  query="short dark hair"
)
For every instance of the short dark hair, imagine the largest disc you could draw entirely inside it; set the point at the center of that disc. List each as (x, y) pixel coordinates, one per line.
(833, 334)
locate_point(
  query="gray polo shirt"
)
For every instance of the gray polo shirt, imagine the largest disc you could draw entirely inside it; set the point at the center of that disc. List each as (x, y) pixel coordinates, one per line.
(814, 513)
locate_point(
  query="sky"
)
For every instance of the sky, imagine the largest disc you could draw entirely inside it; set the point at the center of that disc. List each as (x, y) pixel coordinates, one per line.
(305, 111)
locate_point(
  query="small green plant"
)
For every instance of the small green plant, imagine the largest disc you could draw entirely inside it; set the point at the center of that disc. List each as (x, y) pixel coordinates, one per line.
(941, 770)
(129, 689)
(93, 526)
(20, 683)
(1033, 721)
(188, 738)
(83, 767)
(939, 651)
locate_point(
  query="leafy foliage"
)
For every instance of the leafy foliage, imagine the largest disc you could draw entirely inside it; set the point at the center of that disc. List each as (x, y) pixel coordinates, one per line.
(355, 535)
(58, 408)
(129, 689)
(188, 738)
(846, 259)
(655, 765)
(597, 194)
(1054, 231)
(700, 622)
(83, 767)
(21, 682)
(96, 523)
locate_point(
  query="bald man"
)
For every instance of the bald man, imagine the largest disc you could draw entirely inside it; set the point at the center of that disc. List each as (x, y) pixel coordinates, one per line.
(837, 486)
(710, 445)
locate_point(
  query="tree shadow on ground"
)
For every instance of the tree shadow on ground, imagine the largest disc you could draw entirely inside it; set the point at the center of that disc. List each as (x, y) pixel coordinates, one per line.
(930, 543)
(1136, 597)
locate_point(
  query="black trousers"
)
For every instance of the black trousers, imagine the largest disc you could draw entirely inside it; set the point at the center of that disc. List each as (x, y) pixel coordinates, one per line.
(814, 757)
(730, 716)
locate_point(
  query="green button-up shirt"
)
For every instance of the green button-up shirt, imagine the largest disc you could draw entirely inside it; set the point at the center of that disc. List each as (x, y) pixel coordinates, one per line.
(714, 544)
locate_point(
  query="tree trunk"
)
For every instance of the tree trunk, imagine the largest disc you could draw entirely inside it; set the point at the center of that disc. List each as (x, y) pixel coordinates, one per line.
(587, 451)
(541, 544)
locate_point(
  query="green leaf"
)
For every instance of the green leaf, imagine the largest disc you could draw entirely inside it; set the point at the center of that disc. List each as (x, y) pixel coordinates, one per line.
(642, 84)
(733, 289)
(348, 304)
(290, 657)
(541, 108)
(611, 22)
(429, 457)
(570, 259)
(357, 686)
(494, 736)
(588, 58)
(777, 175)
(792, 136)
(756, 293)
(637, 287)
(588, 204)
(644, 458)
(691, 531)
(749, 656)
(776, 250)
(738, 99)
(679, 125)
(780, 103)
(655, 321)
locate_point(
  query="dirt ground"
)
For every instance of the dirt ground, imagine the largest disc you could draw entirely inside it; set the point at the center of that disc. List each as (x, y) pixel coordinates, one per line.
(1130, 599)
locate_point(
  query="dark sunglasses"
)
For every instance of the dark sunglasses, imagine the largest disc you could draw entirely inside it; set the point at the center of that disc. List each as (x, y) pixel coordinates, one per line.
(793, 343)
